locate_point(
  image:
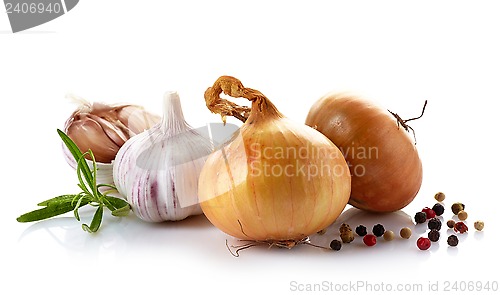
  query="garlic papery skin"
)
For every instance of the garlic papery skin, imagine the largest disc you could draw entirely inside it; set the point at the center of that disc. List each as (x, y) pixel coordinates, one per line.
(158, 170)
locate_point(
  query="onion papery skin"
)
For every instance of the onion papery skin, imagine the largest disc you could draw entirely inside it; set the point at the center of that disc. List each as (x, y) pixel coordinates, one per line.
(247, 201)
(384, 162)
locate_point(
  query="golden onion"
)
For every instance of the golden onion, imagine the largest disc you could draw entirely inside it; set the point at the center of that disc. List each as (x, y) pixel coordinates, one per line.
(275, 180)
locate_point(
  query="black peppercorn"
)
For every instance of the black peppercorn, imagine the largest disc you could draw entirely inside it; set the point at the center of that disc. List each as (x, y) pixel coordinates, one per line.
(378, 230)
(433, 235)
(336, 245)
(439, 209)
(434, 223)
(361, 230)
(420, 217)
(452, 240)
(450, 223)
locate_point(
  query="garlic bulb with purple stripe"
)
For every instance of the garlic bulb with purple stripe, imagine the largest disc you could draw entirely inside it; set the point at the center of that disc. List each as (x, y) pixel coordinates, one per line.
(158, 169)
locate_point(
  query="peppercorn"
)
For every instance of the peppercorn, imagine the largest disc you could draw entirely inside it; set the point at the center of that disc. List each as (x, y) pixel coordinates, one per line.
(347, 237)
(439, 197)
(434, 223)
(457, 207)
(388, 235)
(423, 243)
(452, 240)
(336, 245)
(378, 230)
(429, 212)
(346, 233)
(450, 223)
(462, 215)
(479, 225)
(361, 230)
(370, 240)
(438, 208)
(420, 217)
(434, 235)
(405, 232)
(460, 227)
(344, 227)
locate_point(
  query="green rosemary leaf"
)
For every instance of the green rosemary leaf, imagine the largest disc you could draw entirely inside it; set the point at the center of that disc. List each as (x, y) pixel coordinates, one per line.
(56, 200)
(107, 185)
(117, 203)
(54, 209)
(96, 220)
(121, 212)
(81, 183)
(77, 206)
(77, 154)
(90, 193)
(94, 174)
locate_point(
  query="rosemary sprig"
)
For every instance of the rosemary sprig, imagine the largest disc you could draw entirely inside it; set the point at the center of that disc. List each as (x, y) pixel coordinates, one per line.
(90, 194)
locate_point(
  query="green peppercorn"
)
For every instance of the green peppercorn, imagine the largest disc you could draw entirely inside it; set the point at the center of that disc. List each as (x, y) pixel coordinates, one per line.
(346, 234)
(434, 235)
(439, 197)
(405, 232)
(344, 227)
(434, 223)
(336, 245)
(457, 207)
(438, 208)
(388, 235)
(347, 237)
(378, 230)
(479, 225)
(361, 230)
(452, 240)
(450, 223)
(420, 217)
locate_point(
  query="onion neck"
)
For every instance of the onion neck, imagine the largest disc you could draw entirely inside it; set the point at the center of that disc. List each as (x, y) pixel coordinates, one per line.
(262, 107)
(262, 110)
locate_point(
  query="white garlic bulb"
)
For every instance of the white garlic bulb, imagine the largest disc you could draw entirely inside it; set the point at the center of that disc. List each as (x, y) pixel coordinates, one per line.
(158, 169)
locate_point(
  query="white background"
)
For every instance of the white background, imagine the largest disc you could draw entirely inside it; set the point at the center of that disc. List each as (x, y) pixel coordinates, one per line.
(397, 53)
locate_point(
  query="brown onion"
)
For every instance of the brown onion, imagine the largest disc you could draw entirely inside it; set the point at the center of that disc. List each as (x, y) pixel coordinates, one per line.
(279, 205)
(384, 163)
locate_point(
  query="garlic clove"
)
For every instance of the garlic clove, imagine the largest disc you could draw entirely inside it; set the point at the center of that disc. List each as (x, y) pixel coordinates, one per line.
(105, 128)
(136, 119)
(89, 134)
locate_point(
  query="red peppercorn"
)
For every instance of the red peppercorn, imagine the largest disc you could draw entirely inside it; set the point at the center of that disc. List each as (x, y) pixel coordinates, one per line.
(370, 240)
(423, 243)
(460, 227)
(429, 212)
